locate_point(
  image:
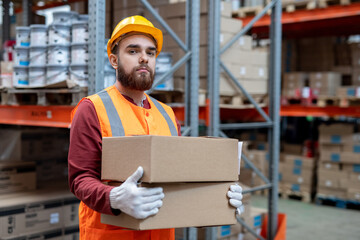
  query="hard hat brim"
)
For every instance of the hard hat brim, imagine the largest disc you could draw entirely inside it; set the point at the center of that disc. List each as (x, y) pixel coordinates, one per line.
(154, 32)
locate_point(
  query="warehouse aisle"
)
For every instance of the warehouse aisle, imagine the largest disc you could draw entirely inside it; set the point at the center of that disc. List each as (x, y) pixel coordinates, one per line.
(310, 221)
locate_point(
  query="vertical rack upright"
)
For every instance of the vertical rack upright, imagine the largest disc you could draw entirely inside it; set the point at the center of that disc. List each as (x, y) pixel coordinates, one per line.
(272, 121)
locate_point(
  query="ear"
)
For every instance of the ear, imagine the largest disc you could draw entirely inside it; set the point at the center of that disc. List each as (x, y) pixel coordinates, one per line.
(113, 60)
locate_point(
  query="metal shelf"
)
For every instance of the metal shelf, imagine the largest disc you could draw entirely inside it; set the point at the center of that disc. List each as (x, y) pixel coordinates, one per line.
(333, 20)
(33, 115)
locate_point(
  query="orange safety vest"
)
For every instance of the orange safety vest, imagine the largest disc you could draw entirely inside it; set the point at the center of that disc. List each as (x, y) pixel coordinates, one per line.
(119, 117)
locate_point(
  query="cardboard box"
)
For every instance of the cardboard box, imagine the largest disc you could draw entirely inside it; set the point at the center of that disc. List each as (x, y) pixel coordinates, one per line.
(332, 192)
(300, 161)
(296, 175)
(10, 145)
(56, 234)
(241, 57)
(296, 187)
(249, 71)
(347, 183)
(328, 147)
(353, 194)
(355, 52)
(355, 148)
(330, 179)
(329, 166)
(184, 205)
(351, 168)
(336, 129)
(295, 80)
(296, 149)
(324, 83)
(17, 176)
(32, 212)
(243, 43)
(226, 9)
(256, 218)
(170, 159)
(355, 79)
(252, 86)
(348, 91)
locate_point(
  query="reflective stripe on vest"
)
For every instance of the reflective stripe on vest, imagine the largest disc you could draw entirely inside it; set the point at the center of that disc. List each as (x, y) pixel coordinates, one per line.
(170, 123)
(117, 128)
(116, 125)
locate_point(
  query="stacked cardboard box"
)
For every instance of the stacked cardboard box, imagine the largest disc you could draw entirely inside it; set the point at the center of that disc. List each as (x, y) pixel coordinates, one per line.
(294, 84)
(338, 172)
(228, 232)
(324, 83)
(35, 213)
(45, 149)
(260, 159)
(316, 54)
(6, 71)
(297, 174)
(195, 174)
(355, 51)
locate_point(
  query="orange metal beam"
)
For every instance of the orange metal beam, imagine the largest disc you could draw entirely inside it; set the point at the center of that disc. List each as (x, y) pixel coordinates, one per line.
(47, 116)
(333, 20)
(329, 111)
(298, 16)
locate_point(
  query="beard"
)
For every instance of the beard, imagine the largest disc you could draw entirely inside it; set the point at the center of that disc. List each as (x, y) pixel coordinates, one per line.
(135, 81)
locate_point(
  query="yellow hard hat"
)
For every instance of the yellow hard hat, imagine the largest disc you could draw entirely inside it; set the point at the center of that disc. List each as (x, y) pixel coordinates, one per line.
(136, 24)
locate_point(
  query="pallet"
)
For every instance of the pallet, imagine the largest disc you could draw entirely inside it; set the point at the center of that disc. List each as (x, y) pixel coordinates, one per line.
(297, 101)
(295, 195)
(323, 101)
(242, 101)
(43, 97)
(293, 5)
(247, 11)
(326, 3)
(336, 202)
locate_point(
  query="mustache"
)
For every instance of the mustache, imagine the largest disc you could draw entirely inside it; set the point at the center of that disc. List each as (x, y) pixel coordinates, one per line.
(143, 66)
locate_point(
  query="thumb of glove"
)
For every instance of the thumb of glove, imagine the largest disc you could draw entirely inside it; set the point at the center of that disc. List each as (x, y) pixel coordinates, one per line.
(136, 176)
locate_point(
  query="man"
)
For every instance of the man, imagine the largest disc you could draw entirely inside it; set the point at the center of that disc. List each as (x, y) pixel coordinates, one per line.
(122, 110)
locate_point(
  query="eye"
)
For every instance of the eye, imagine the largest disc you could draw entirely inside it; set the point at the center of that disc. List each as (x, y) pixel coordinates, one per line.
(132, 51)
(152, 53)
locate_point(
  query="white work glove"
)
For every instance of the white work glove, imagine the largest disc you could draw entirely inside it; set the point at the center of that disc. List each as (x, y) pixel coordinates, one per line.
(235, 197)
(138, 202)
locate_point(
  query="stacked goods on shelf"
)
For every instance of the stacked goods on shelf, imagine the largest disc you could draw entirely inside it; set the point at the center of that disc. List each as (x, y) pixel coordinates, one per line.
(294, 84)
(6, 70)
(248, 65)
(338, 171)
(39, 214)
(355, 51)
(332, 66)
(256, 150)
(50, 55)
(45, 148)
(324, 84)
(297, 176)
(35, 200)
(192, 183)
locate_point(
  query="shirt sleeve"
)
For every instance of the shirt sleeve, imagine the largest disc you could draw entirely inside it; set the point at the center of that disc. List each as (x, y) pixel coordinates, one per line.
(84, 160)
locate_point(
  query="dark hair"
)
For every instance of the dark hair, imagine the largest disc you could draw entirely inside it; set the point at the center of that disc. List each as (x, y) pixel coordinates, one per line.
(115, 49)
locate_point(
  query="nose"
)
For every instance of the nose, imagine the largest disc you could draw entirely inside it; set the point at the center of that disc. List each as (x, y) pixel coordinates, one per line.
(144, 58)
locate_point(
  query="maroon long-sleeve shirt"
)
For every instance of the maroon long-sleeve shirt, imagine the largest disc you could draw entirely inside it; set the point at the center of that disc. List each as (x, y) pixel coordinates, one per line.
(84, 158)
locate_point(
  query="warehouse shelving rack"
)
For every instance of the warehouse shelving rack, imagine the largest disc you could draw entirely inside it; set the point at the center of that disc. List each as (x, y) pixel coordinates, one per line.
(271, 121)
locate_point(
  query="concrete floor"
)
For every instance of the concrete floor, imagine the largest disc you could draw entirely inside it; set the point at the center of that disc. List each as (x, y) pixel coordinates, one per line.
(311, 221)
